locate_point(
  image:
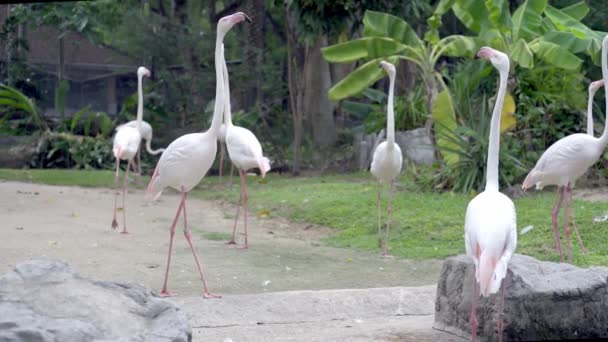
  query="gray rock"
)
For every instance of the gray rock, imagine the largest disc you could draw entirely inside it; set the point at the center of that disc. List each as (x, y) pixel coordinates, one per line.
(45, 300)
(416, 145)
(543, 301)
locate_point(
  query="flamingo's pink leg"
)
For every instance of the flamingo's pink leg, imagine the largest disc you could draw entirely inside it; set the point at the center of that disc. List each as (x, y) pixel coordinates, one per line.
(124, 208)
(231, 171)
(570, 208)
(164, 292)
(554, 213)
(114, 222)
(473, 317)
(379, 209)
(245, 204)
(222, 152)
(567, 227)
(236, 218)
(188, 236)
(501, 304)
(389, 210)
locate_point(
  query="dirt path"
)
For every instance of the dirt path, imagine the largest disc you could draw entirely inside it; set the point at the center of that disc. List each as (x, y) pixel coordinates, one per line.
(73, 224)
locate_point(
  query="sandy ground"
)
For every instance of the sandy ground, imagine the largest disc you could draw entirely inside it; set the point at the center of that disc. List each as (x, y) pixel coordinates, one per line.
(73, 224)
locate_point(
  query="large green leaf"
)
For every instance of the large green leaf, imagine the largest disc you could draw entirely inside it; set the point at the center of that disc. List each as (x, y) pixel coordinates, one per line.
(521, 54)
(378, 24)
(555, 55)
(15, 99)
(577, 11)
(499, 14)
(472, 13)
(568, 41)
(456, 46)
(565, 23)
(364, 48)
(527, 19)
(359, 80)
(444, 119)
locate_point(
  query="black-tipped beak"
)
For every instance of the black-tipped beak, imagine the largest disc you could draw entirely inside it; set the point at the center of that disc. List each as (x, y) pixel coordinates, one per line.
(380, 66)
(247, 18)
(476, 56)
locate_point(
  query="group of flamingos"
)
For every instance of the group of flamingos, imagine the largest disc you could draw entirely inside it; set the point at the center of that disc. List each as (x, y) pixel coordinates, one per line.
(490, 221)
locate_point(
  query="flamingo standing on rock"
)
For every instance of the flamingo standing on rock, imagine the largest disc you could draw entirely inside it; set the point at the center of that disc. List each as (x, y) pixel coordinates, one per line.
(563, 163)
(387, 160)
(126, 145)
(188, 158)
(145, 129)
(490, 226)
(245, 152)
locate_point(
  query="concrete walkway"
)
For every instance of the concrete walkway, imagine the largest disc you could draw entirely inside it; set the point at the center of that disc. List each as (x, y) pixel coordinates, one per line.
(379, 314)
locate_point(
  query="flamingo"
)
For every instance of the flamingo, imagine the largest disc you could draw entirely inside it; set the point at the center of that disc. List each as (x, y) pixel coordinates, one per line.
(126, 145)
(593, 88)
(563, 163)
(145, 129)
(490, 223)
(222, 139)
(387, 161)
(245, 152)
(188, 158)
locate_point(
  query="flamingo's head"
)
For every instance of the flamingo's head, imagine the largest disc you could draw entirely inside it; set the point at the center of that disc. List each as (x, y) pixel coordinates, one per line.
(143, 71)
(594, 86)
(226, 23)
(388, 67)
(499, 59)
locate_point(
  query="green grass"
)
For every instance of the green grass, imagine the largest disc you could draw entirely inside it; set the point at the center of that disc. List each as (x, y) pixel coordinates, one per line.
(86, 178)
(425, 225)
(217, 236)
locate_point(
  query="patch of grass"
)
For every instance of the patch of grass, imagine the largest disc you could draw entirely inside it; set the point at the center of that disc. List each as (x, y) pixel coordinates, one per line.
(217, 236)
(86, 178)
(425, 225)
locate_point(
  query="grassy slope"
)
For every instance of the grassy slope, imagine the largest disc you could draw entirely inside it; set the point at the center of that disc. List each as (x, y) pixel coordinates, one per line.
(425, 225)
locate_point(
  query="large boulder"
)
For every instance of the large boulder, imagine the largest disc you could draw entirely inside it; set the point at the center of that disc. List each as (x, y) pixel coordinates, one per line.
(45, 300)
(543, 301)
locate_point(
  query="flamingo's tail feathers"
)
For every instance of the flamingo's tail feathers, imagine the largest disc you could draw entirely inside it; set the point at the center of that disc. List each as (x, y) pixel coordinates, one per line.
(117, 151)
(500, 272)
(150, 150)
(264, 165)
(154, 189)
(486, 273)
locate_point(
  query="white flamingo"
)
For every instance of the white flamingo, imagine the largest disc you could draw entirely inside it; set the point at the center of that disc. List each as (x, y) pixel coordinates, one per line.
(387, 161)
(563, 163)
(245, 153)
(593, 88)
(490, 222)
(188, 158)
(222, 139)
(126, 145)
(145, 129)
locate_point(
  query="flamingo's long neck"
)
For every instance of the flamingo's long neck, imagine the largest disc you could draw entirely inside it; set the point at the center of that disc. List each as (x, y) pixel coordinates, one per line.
(140, 101)
(604, 136)
(390, 113)
(227, 106)
(494, 145)
(590, 111)
(216, 122)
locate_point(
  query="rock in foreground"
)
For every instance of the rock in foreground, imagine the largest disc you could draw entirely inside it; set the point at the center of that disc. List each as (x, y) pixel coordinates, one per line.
(543, 301)
(45, 300)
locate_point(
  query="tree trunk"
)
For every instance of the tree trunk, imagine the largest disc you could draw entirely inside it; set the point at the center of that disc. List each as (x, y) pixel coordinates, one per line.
(318, 107)
(295, 91)
(254, 55)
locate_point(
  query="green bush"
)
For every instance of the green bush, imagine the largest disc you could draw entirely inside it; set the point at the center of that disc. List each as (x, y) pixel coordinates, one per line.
(62, 150)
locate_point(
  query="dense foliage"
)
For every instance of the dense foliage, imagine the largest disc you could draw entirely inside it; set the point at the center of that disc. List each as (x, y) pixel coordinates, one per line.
(282, 85)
